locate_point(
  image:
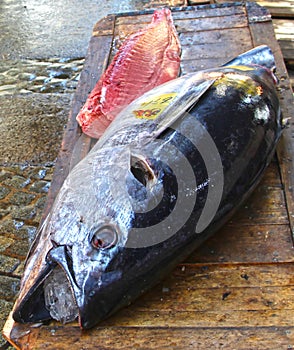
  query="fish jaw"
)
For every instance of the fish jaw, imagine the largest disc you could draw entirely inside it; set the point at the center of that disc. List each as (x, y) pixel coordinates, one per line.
(100, 294)
(31, 306)
(43, 261)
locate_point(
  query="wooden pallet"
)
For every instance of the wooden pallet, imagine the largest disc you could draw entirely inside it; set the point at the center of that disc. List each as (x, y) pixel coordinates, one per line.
(282, 13)
(237, 290)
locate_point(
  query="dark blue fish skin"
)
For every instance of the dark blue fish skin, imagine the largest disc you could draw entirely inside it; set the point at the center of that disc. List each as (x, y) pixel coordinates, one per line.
(143, 267)
(241, 113)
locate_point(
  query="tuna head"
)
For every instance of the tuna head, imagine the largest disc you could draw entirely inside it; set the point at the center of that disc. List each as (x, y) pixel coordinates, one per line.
(79, 264)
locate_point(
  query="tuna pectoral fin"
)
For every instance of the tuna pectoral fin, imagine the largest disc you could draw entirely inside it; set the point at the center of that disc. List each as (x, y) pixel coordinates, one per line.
(192, 88)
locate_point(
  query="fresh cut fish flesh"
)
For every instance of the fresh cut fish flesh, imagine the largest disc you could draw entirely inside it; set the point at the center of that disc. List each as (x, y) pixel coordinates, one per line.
(146, 59)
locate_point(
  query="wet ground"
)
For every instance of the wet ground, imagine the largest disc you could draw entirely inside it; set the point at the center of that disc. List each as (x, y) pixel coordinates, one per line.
(42, 50)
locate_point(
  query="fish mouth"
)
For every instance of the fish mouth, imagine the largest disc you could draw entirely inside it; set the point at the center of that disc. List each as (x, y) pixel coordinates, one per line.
(30, 305)
(60, 289)
(53, 294)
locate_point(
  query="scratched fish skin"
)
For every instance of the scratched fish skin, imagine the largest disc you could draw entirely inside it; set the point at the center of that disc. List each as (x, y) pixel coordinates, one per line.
(130, 211)
(146, 59)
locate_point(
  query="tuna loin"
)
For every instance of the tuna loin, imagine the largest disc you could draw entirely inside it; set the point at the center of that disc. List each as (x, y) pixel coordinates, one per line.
(146, 59)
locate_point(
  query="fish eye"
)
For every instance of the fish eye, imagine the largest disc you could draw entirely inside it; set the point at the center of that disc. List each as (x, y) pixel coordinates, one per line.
(104, 238)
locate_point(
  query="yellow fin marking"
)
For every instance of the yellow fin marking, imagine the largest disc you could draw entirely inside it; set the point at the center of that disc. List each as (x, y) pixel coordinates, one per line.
(154, 106)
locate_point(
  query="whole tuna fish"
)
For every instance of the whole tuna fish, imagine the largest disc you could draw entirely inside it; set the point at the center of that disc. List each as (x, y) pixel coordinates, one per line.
(146, 59)
(167, 173)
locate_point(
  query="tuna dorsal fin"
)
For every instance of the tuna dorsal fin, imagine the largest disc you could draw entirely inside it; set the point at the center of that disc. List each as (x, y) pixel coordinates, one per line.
(261, 55)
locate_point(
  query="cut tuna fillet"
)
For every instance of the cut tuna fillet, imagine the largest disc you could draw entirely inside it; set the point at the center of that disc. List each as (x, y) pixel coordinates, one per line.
(146, 59)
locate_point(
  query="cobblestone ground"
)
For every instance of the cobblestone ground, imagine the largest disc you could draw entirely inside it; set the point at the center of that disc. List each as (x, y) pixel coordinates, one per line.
(35, 98)
(23, 190)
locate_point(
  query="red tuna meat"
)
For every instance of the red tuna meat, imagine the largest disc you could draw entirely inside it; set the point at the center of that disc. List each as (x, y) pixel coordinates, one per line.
(146, 59)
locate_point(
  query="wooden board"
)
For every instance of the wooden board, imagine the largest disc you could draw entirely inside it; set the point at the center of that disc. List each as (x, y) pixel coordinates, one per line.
(277, 9)
(282, 13)
(284, 31)
(282, 8)
(237, 290)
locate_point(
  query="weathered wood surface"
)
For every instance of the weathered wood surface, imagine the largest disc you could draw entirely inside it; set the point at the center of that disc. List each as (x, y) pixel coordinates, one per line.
(284, 31)
(237, 290)
(200, 306)
(282, 13)
(281, 8)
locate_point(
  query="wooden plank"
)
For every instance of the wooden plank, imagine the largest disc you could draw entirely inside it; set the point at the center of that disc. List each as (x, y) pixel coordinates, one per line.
(271, 175)
(236, 298)
(266, 205)
(212, 37)
(217, 23)
(282, 13)
(193, 65)
(96, 62)
(277, 9)
(263, 33)
(209, 11)
(251, 243)
(246, 275)
(200, 338)
(221, 47)
(287, 48)
(284, 31)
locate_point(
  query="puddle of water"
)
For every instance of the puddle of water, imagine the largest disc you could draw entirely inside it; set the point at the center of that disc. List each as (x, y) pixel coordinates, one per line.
(26, 76)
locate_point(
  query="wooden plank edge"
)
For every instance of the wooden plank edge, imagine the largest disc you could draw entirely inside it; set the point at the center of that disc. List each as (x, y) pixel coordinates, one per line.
(111, 337)
(263, 33)
(105, 26)
(278, 9)
(18, 334)
(75, 144)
